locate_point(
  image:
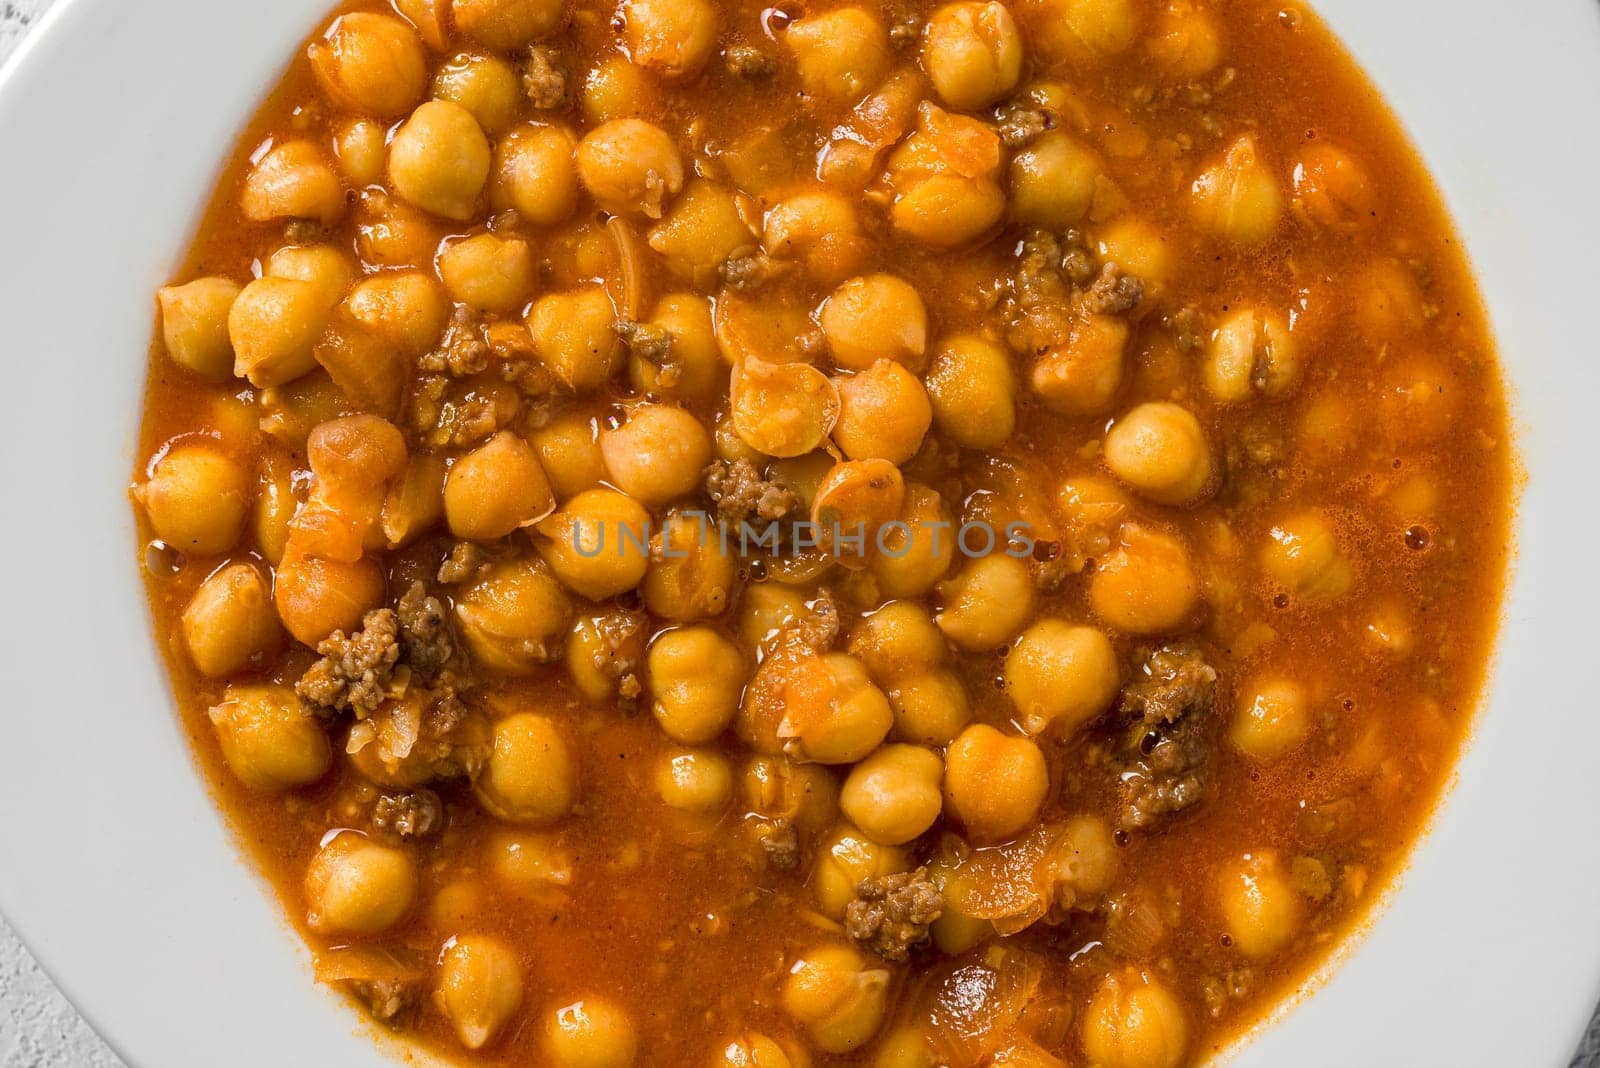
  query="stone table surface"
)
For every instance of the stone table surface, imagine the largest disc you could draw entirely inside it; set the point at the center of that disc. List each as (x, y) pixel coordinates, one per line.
(38, 1028)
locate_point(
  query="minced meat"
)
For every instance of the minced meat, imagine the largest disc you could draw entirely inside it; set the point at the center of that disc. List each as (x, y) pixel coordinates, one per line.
(742, 495)
(1114, 292)
(891, 914)
(1173, 681)
(355, 671)
(544, 78)
(1162, 760)
(748, 61)
(465, 563)
(408, 815)
(747, 271)
(424, 631)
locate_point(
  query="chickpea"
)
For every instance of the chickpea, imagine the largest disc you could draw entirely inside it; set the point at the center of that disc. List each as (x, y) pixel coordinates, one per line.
(1146, 584)
(292, 181)
(1238, 198)
(194, 325)
(905, 1047)
(316, 596)
(479, 987)
(893, 795)
(327, 268)
(1252, 352)
(403, 308)
(507, 25)
(1272, 718)
(930, 708)
(1160, 451)
(764, 611)
(698, 782)
(1139, 248)
(430, 17)
(495, 489)
(370, 64)
(884, 413)
(658, 454)
(846, 857)
(692, 574)
(535, 175)
(487, 86)
(1421, 398)
(512, 619)
(1134, 1021)
(392, 233)
(943, 177)
(275, 506)
(274, 325)
(986, 602)
(1303, 555)
(706, 226)
(672, 37)
(833, 714)
(973, 392)
(855, 500)
(196, 499)
(1185, 41)
(994, 784)
(532, 773)
(1387, 301)
(1082, 31)
(1332, 188)
(230, 623)
(818, 228)
(837, 996)
(597, 543)
(785, 409)
(697, 372)
(912, 557)
(603, 650)
(355, 886)
(972, 52)
(1259, 907)
(569, 450)
(488, 273)
(898, 641)
(269, 741)
(1054, 181)
(1061, 673)
(873, 317)
(616, 89)
(630, 166)
(755, 1050)
(439, 160)
(574, 336)
(531, 863)
(1082, 376)
(359, 145)
(591, 1033)
(840, 55)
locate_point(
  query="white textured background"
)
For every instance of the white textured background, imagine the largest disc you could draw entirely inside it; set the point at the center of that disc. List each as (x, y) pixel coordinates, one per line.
(38, 1029)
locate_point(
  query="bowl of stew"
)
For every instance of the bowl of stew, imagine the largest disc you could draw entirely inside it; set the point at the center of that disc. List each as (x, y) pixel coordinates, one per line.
(903, 534)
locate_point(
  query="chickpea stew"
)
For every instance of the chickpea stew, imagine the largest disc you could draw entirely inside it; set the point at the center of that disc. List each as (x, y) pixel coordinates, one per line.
(892, 534)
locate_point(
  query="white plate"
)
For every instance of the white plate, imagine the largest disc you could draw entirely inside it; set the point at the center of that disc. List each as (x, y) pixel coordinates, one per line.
(114, 865)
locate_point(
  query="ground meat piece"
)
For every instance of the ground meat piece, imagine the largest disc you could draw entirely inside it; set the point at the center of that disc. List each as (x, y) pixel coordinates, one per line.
(424, 632)
(1185, 326)
(742, 495)
(408, 815)
(1167, 778)
(1114, 292)
(304, 232)
(891, 914)
(465, 562)
(544, 77)
(1019, 123)
(905, 30)
(1173, 681)
(387, 1000)
(748, 61)
(620, 653)
(781, 845)
(819, 627)
(654, 345)
(354, 671)
(462, 351)
(747, 271)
